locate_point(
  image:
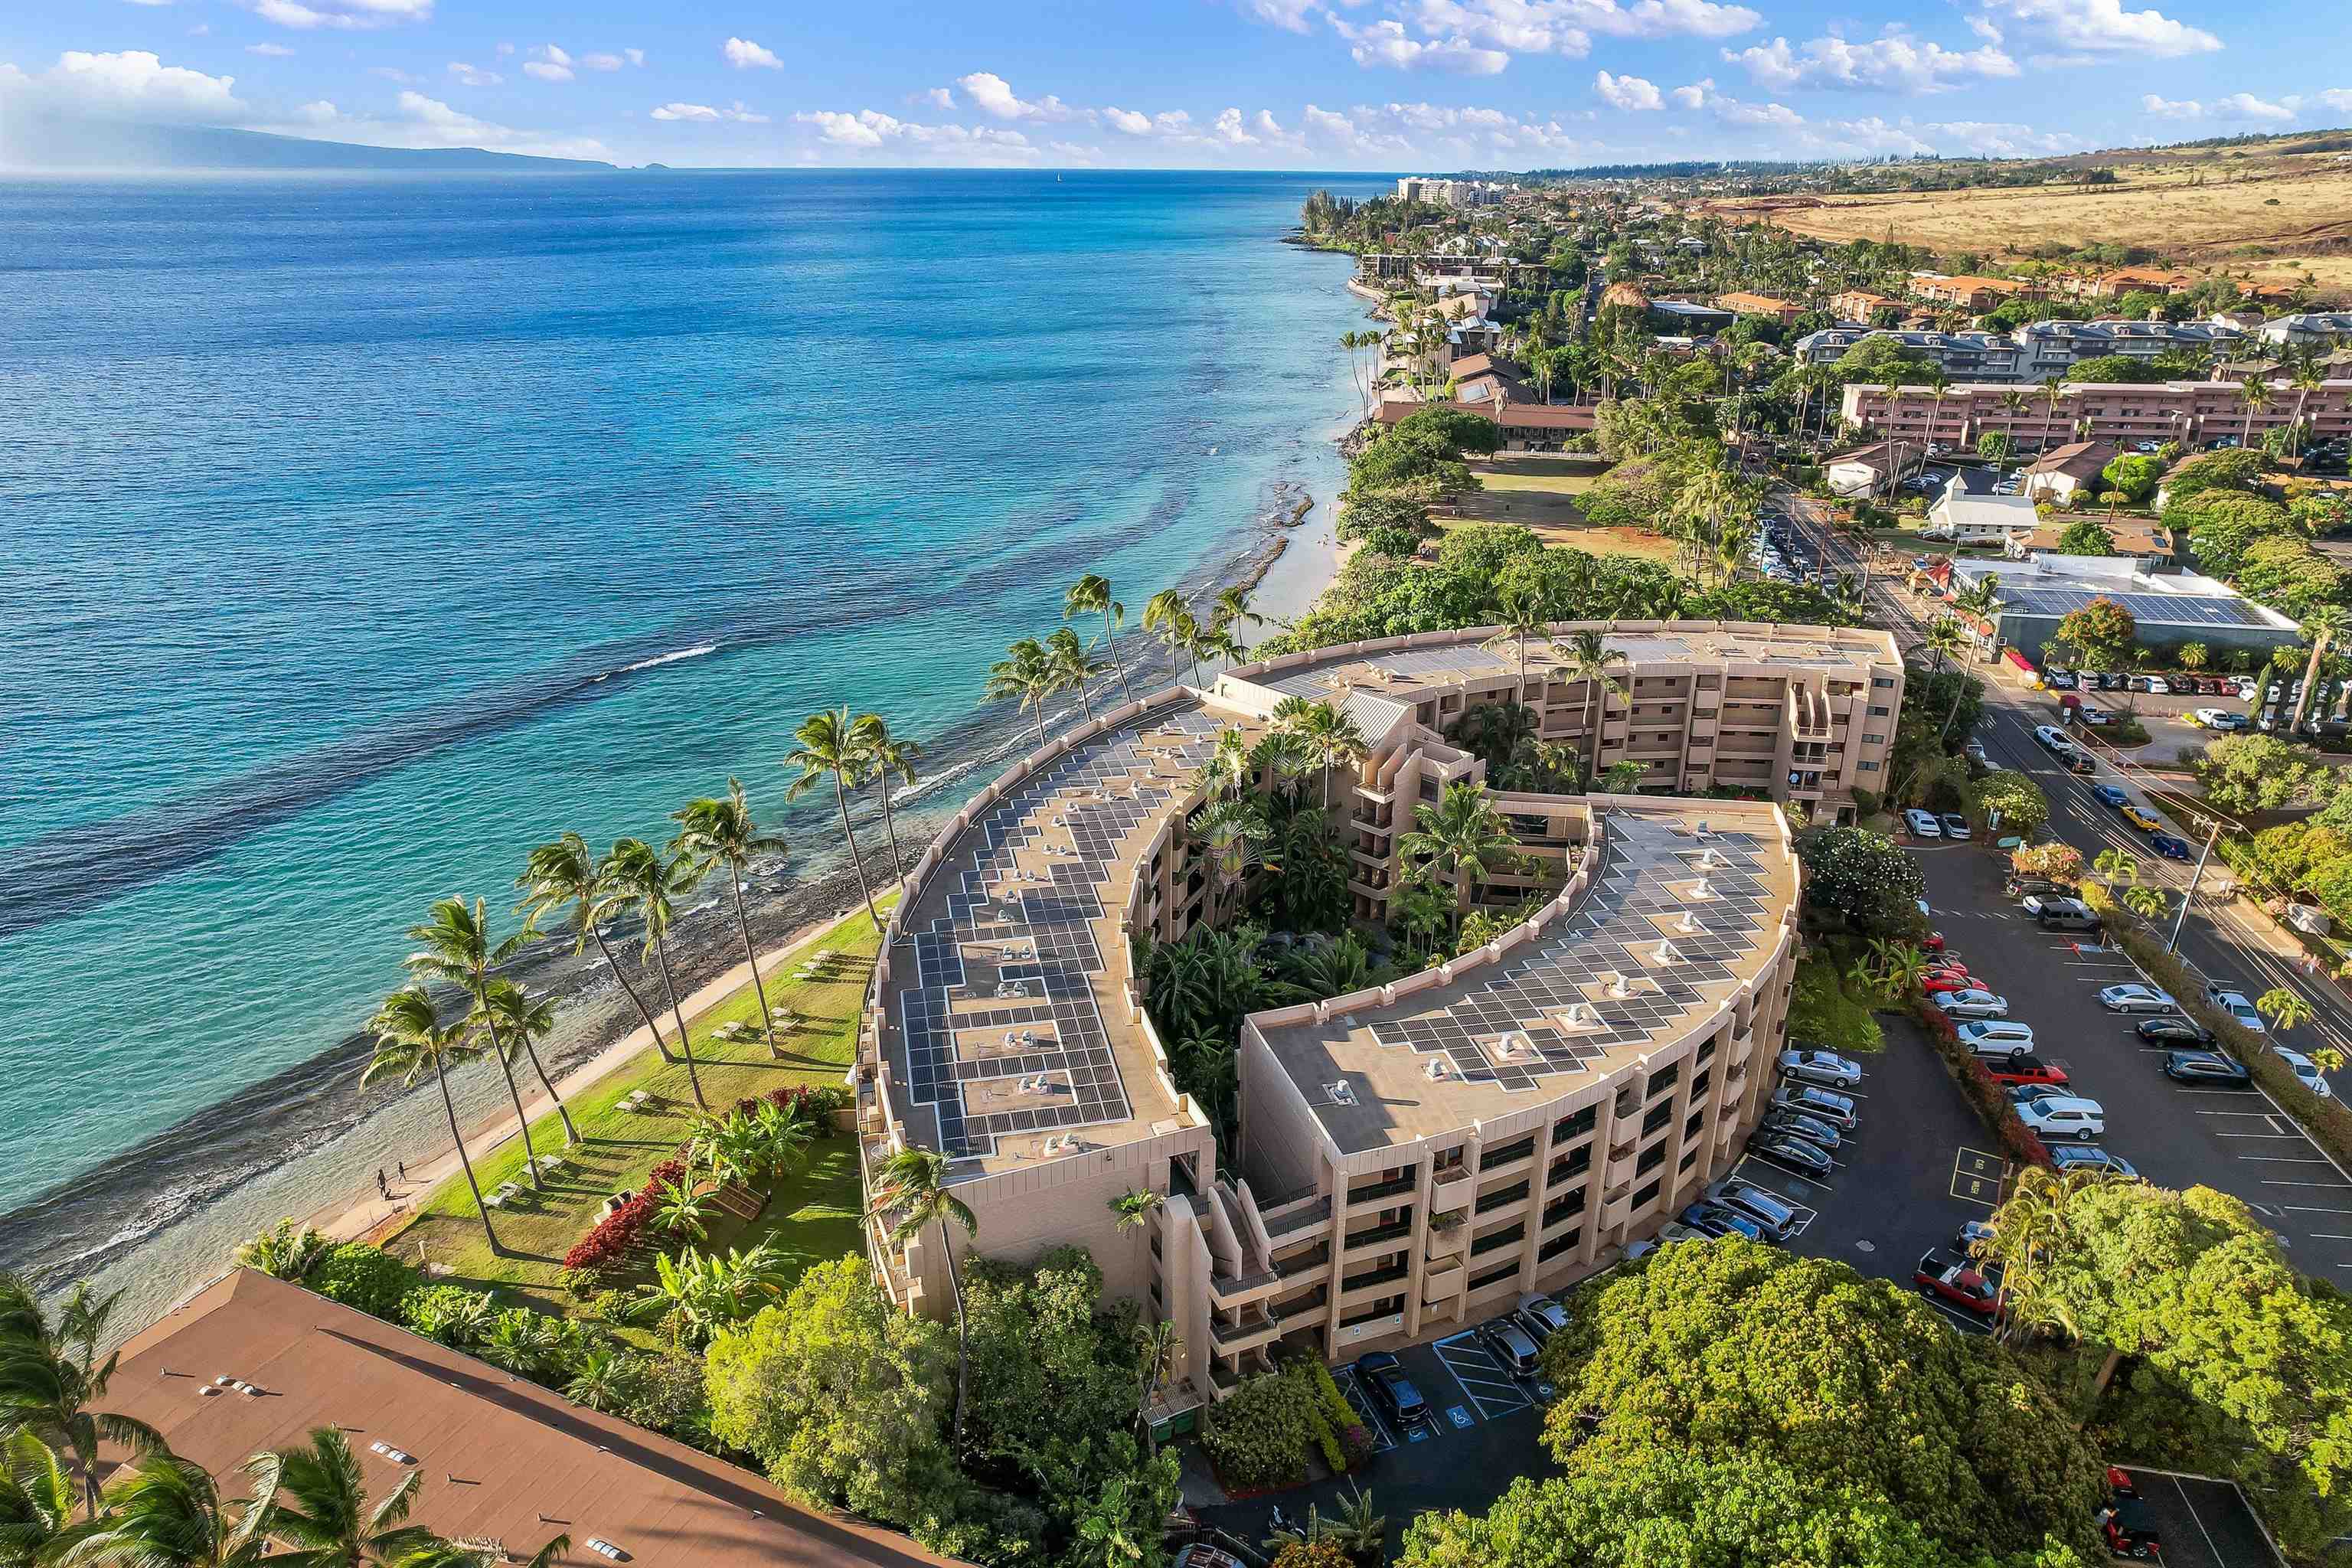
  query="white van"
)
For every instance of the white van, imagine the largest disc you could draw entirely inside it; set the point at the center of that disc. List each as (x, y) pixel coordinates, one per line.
(1997, 1038)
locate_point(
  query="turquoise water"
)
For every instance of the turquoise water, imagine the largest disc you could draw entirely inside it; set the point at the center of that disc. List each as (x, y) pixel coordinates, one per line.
(357, 534)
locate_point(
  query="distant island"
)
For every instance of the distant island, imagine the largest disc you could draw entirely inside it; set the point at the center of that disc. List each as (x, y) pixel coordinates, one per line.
(57, 143)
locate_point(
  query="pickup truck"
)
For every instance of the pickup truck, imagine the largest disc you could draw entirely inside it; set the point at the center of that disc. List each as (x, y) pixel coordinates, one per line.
(1957, 1281)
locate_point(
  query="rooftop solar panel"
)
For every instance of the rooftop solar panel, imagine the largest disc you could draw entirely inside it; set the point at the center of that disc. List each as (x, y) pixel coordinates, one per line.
(2157, 609)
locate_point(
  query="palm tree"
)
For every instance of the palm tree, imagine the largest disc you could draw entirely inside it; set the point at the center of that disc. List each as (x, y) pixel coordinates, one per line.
(1231, 608)
(1944, 639)
(1588, 659)
(166, 1512)
(2117, 866)
(913, 1185)
(645, 883)
(1228, 831)
(1334, 736)
(603, 1379)
(717, 831)
(1228, 770)
(456, 948)
(1167, 618)
(1090, 594)
(2283, 1007)
(1074, 666)
(36, 1501)
(1522, 608)
(285, 1252)
(317, 1501)
(2256, 393)
(1356, 1527)
(2052, 385)
(2148, 903)
(1026, 674)
(411, 1040)
(1938, 384)
(523, 1021)
(2014, 403)
(50, 1374)
(1135, 1209)
(1157, 1345)
(1980, 599)
(566, 876)
(1462, 834)
(888, 758)
(2306, 375)
(828, 744)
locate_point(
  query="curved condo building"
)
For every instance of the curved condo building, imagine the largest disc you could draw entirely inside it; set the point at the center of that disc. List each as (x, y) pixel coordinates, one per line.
(1407, 1157)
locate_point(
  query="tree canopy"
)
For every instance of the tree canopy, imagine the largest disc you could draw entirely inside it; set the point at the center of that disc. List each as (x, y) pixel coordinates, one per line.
(1864, 878)
(2101, 633)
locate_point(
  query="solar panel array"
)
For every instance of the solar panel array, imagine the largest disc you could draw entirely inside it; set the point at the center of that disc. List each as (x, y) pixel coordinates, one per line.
(1508, 1030)
(1040, 1029)
(2159, 609)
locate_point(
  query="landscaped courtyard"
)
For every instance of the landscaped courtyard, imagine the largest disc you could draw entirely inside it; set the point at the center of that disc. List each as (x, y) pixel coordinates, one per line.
(812, 1211)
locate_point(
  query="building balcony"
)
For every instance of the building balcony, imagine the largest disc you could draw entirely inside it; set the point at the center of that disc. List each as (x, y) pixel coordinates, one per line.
(1442, 1284)
(1358, 1240)
(1255, 1328)
(1358, 1288)
(1372, 1192)
(1446, 1240)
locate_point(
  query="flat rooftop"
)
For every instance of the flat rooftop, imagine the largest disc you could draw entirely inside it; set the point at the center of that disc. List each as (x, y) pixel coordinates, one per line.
(1675, 921)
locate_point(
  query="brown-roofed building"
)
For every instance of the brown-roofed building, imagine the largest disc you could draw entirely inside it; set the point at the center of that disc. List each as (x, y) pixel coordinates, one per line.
(1526, 427)
(1968, 291)
(2144, 542)
(2064, 473)
(2131, 279)
(504, 1460)
(1744, 304)
(1860, 304)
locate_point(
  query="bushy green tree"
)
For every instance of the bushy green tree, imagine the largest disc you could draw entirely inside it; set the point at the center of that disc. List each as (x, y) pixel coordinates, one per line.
(2085, 536)
(1864, 878)
(2101, 633)
(2022, 805)
(2112, 369)
(2135, 475)
(2244, 775)
(2223, 525)
(2236, 470)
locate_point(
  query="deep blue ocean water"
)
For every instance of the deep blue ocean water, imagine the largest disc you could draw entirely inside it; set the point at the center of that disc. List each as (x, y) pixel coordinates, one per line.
(356, 534)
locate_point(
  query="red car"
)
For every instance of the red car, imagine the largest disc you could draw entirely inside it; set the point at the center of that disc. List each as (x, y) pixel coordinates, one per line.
(1933, 942)
(2025, 1069)
(1956, 1280)
(1945, 980)
(1944, 966)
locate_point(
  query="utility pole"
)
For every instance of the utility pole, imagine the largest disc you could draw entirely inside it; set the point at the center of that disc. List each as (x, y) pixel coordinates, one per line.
(2196, 880)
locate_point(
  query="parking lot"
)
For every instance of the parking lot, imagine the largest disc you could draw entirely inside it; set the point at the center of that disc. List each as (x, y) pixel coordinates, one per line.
(2178, 1135)
(2202, 1523)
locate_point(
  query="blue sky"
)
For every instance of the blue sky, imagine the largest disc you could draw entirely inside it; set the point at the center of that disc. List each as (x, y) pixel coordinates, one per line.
(1317, 84)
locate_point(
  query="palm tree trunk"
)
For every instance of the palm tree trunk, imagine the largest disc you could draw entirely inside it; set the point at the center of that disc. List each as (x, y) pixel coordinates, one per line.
(441, 1076)
(890, 827)
(743, 927)
(614, 965)
(2106, 1372)
(963, 1344)
(1085, 701)
(1111, 647)
(840, 793)
(570, 1133)
(1037, 716)
(505, 1069)
(684, 1044)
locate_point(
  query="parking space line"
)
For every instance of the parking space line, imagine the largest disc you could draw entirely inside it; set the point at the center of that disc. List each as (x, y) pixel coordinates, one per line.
(2197, 1520)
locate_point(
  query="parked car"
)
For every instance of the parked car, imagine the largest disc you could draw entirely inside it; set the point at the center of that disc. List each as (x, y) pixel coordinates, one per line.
(2137, 998)
(2113, 681)
(2064, 1116)
(1509, 1343)
(2027, 1069)
(2151, 684)
(1668, 1234)
(2204, 1066)
(2231, 723)
(1765, 1208)
(1383, 1377)
(1997, 1038)
(1977, 754)
(1837, 1109)
(2305, 1071)
(1541, 1316)
(1972, 1004)
(1791, 1154)
(1708, 1219)
(1955, 825)
(2175, 1032)
(2108, 794)
(1938, 979)
(2037, 886)
(1972, 1234)
(2087, 715)
(2137, 816)
(2166, 844)
(1811, 1129)
(2078, 762)
(2234, 1004)
(1958, 1280)
(1923, 824)
(2127, 1526)
(2059, 679)
(1820, 1066)
(2053, 737)
(2067, 914)
(2079, 1157)
(2213, 717)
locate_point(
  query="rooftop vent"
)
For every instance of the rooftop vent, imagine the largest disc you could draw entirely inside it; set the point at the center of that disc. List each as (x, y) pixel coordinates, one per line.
(1342, 1092)
(1620, 986)
(389, 1452)
(1437, 1067)
(603, 1548)
(1706, 860)
(1579, 1016)
(1702, 828)
(1668, 952)
(1702, 891)
(1688, 925)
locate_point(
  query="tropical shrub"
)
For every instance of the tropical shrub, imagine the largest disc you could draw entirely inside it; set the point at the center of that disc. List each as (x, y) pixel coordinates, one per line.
(364, 1277)
(1991, 1105)
(1258, 1437)
(285, 1252)
(448, 1314)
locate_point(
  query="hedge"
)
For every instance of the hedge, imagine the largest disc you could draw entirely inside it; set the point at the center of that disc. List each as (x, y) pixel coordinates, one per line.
(1993, 1106)
(2329, 1124)
(364, 1277)
(1257, 1435)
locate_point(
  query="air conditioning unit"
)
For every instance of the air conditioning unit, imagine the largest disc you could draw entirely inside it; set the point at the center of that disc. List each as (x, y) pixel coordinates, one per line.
(1342, 1093)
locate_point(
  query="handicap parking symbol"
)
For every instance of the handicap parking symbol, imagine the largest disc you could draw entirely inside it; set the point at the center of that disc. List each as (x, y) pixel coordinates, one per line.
(1417, 1434)
(1460, 1415)
(1545, 1391)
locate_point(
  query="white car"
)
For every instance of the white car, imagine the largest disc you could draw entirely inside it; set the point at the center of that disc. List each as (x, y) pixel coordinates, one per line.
(1972, 1004)
(2234, 1004)
(2064, 1116)
(2211, 718)
(2137, 998)
(2305, 1071)
(2053, 737)
(1997, 1038)
(1923, 824)
(1821, 1066)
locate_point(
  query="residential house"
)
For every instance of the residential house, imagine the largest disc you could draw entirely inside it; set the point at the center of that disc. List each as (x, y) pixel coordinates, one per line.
(1967, 519)
(1683, 315)
(2147, 546)
(1968, 292)
(1860, 305)
(1740, 303)
(2309, 329)
(2064, 474)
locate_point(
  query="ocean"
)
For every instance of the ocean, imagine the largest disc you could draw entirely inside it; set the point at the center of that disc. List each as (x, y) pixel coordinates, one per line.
(358, 533)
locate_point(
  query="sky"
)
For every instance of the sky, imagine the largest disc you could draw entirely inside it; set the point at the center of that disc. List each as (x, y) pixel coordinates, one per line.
(1399, 84)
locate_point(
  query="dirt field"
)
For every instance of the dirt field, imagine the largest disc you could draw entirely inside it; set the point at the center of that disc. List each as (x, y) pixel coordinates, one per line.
(2296, 211)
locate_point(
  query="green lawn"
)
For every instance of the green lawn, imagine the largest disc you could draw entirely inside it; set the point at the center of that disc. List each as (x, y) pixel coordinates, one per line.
(813, 1212)
(1825, 1013)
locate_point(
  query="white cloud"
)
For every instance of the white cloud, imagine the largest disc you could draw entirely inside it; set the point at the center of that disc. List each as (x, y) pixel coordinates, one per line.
(150, 1)
(276, 51)
(2236, 106)
(319, 113)
(342, 14)
(703, 112)
(1567, 26)
(130, 82)
(2088, 27)
(1702, 94)
(2246, 106)
(1228, 129)
(392, 73)
(871, 131)
(937, 98)
(2337, 97)
(1128, 121)
(635, 56)
(1994, 139)
(603, 62)
(1893, 60)
(2170, 107)
(552, 64)
(743, 54)
(1627, 92)
(470, 75)
(1286, 14)
(1386, 43)
(992, 95)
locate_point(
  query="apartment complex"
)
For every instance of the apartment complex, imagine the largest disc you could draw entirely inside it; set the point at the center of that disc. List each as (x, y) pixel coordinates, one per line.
(1450, 193)
(1411, 1155)
(1741, 303)
(1968, 292)
(2032, 352)
(2194, 412)
(1983, 356)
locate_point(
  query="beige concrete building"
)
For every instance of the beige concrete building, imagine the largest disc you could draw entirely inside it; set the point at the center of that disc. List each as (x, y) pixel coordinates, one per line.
(1410, 1156)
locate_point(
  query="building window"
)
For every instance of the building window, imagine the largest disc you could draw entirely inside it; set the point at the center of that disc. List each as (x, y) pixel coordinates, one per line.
(1518, 1148)
(1882, 682)
(1560, 1243)
(1871, 740)
(1645, 1194)
(1865, 767)
(1574, 1125)
(1514, 1232)
(1651, 1158)
(1488, 1277)
(1662, 1081)
(1659, 1116)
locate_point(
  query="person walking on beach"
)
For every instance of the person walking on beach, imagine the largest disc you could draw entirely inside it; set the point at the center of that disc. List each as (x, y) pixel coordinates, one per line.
(402, 1169)
(383, 1187)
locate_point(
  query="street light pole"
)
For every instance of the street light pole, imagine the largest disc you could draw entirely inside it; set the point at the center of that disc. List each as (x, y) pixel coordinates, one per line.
(2196, 880)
